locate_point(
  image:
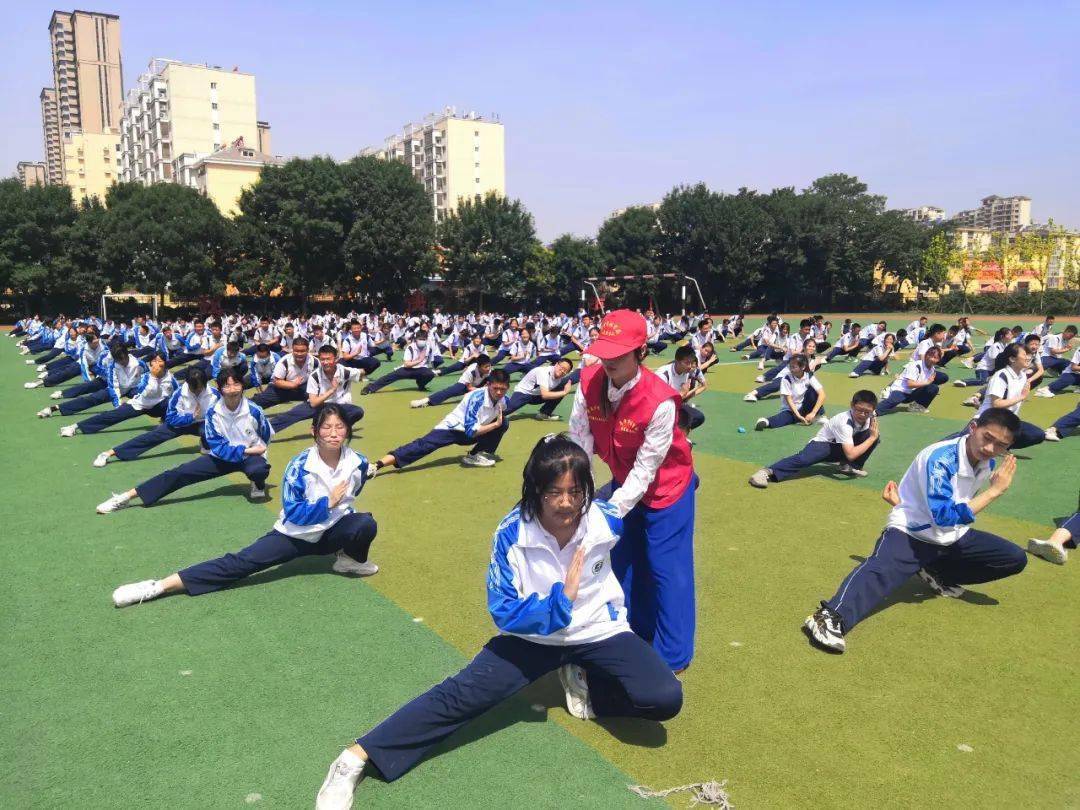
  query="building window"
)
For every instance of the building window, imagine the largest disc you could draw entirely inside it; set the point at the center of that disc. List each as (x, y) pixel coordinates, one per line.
(217, 127)
(213, 105)
(476, 148)
(476, 133)
(213, 85)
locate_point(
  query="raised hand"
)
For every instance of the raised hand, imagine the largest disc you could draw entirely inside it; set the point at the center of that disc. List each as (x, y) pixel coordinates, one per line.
(573, 574)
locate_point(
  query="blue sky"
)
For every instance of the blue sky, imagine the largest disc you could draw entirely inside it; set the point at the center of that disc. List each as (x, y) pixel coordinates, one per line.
(608, 104)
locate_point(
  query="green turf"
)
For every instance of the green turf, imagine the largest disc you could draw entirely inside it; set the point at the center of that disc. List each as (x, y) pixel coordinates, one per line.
(283, 673)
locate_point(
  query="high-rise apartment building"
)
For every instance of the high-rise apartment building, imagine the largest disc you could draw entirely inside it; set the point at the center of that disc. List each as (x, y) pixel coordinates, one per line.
(30, 173)
(81, 112)
(928, 214)
(179, 114)
(997, 214)
(456, 157)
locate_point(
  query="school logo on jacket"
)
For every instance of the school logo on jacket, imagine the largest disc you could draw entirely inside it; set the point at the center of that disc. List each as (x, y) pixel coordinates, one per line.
(627, 426)
(597, 566)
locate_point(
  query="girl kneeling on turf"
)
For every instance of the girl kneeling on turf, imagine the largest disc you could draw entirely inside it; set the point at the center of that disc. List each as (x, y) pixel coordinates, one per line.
(557, 604)
(317, 495)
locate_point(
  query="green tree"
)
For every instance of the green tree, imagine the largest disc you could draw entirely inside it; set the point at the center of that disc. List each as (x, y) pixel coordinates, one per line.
(629, 243)
(573, 259)
(389, 249)
(166, 237)
(80, 270)
(296, 220)
(31, 236)
(539, 275)
(486, 243)
(937, 262)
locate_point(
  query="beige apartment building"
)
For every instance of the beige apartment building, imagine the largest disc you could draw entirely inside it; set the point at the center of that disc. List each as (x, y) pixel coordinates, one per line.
(997, 214)
(927, 214)
(223, 175)
(81, 112)
(456, 156)
(30, 173)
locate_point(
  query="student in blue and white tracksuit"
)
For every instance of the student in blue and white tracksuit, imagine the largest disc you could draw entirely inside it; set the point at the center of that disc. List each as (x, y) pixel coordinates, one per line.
(929, 530)
(121, 373)
(557, 605)
(150, 396)
(184, 414)
(847, 439)
(237, 434)
(228, 356)
(261, 367)
(330, 382)
(317, 517)
(474, 376)
(477, 420)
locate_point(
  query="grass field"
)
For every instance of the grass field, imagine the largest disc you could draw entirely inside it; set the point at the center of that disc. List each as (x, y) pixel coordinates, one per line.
(242, 698)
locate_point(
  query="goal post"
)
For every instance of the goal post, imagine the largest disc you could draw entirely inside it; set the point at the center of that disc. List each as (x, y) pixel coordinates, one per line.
(143, 298)
(688, 286)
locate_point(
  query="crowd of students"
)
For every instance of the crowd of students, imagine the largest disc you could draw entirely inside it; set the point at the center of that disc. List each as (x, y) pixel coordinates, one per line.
(595, 583)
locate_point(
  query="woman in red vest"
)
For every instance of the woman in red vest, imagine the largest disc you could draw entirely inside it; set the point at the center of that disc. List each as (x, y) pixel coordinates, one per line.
(627, 415)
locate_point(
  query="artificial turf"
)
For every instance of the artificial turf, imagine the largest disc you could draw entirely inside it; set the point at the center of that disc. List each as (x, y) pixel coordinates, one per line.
(243, 697)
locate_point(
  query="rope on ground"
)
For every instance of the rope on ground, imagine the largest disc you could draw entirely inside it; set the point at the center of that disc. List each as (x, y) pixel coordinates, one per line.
(703, 792)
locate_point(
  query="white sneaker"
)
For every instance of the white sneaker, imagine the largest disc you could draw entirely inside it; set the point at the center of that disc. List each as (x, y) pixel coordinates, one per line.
(1045, 393)
(41, 368)
(115, 502)
(826, 629)
(576, 686)
(751, 397)
(853, 375)
(42, 375)
(972, 402)
(102, 459)
(477, 460)
(959, 384)
(847, 469)
(760, 479)
(137, 592)
(29, 362)
(1052, 435)
(746, 357)
(257, 493)
(339, 786)
(437, 372)
(1051, 552)
(344, 564)
(915, 407)
(419, 403)
(67, 431)
(34, 384)
(760, 378)
(761, 424)
(939, 587)
(56, 394)
(546, 417)
(45, 413)
(967, 362)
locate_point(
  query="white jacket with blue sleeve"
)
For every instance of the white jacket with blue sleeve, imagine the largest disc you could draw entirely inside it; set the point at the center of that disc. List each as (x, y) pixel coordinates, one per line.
(306, 488)
(229, 433)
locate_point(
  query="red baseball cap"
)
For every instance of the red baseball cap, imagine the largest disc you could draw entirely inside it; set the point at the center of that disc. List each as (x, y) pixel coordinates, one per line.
(621, 332)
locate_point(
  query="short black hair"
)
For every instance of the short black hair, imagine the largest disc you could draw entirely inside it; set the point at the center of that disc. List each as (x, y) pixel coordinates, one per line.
(156, 356)
(864, 397)
(301, 341)
(261, 347)
(328, 348)
(498, 375)
(196, 378)
(325, 412)
(935, 328)
(799, 361)
(482, 360)
(1001, 417)
(232, 373)
(232, 346)
(551, 458)
(684, 352)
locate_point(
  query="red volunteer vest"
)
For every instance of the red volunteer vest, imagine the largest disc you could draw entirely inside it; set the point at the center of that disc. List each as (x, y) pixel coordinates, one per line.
(617, 439)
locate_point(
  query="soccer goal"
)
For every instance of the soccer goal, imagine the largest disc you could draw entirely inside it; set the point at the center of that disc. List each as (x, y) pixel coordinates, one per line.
(146, 299)
(602, 286)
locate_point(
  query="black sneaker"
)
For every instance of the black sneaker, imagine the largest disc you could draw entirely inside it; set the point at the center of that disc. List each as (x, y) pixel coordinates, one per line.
(826, 629)
(939, 587)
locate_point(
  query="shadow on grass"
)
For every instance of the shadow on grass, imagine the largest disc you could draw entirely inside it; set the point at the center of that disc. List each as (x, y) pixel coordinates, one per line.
(915, 592)
(439, 462)
(236, 490)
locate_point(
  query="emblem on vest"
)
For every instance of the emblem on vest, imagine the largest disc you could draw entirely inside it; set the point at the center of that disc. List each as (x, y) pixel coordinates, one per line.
(595, 413)
(596, 568)
(627, 426)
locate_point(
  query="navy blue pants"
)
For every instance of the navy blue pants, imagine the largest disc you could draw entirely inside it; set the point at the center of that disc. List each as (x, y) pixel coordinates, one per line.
(1058, 364)
(137, 445)
(656, 346)
(203, 468)
(1064, 381)
(922, 396)
(976, 557)
(869, 367)
(302, 412)
(1068, 422)
(626, 679)
(654, 562)
(772, 373)
(62, 374)
(518, 368)
(100, 421)
(953, 353)
(786, 417)
(436, 439)
(60, 363)
(519, 400)
(837, 351)
(980, 378)
(817, 452)
(455, 390)
(690, 417)
(743, 345)
(353, 534)
(422, 376)
(1072, 526)
(85, 402)
(77, 390)
(771, 387)
(272, 395)
(366, 364)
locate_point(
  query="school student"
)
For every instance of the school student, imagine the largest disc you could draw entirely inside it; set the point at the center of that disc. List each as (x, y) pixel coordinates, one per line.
(261, 366)
(706, 357)
(471, 378)
(847, 439)
(415, 366)
(356, 349)
(802, 397)
(236, 433)
(317, 517)
(1055, 347)
(872, 331)
(849, 345)
(522, 354)
(545, 386)
(876, 361)
(1064, 426)
(184, 414)
(477, 420)
(1008, 388)
(986, 363)
(1055, 548)
(683, 375)
(288, 381)
(916, 331)
(557, 605)
(149, 396)
(330, 382)
(915, 385)
(121, 373)
(773, 385)
(1069, 375)
(929, 532)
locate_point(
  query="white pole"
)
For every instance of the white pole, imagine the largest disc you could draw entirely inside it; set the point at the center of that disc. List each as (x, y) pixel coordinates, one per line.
(104, 314)
(683, 299)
